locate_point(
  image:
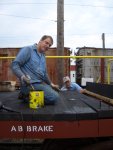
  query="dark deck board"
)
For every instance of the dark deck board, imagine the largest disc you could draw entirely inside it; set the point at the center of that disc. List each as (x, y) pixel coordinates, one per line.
(71, 106)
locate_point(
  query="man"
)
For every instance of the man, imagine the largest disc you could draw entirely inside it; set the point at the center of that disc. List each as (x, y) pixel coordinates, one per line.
(30, 67)
(68, 85)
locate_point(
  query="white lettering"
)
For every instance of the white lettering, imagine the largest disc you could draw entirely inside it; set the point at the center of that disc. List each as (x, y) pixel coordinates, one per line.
(50, 128)
(40, 129)
(32, 128)
(29, 129)
(13, 129)
(20, 128)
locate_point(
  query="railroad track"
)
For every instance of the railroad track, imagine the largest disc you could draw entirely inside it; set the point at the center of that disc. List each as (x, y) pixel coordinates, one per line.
(65, 144)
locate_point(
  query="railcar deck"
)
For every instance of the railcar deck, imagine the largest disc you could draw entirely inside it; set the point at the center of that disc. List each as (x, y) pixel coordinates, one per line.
(71, 106)
(75, 115)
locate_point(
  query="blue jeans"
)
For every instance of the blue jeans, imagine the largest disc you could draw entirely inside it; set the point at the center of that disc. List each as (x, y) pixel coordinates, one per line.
(50, 95)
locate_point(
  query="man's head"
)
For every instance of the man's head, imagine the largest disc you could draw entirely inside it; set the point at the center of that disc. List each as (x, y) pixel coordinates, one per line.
(67, 81)
(45, 42)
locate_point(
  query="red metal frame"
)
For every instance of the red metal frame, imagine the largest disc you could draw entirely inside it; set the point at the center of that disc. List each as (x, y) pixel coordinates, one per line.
(56, 129)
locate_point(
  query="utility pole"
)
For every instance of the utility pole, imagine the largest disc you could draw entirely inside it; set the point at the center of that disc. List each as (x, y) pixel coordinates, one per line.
(60, 40)
(102, 59)
(103, 40)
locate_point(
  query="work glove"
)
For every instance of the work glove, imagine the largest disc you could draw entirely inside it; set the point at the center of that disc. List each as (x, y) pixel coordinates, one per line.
(26, 79)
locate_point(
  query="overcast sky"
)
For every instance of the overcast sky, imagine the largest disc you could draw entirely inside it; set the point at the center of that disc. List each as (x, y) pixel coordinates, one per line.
(23, 22)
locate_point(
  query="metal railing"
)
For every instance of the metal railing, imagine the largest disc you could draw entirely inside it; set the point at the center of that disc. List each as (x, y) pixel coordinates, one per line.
(75, 57)
(13, 57)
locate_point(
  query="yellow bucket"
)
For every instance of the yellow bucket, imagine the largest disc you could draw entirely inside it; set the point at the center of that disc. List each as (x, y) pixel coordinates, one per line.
(36, 99)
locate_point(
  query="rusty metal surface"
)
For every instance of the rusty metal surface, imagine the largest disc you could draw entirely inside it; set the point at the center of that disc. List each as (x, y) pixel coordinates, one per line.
(6, 73)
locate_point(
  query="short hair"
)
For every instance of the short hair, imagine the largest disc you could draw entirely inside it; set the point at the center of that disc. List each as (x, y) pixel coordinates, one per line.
(45, 37)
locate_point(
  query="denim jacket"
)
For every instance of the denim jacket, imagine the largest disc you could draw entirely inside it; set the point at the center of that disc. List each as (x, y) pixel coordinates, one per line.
(30, 62)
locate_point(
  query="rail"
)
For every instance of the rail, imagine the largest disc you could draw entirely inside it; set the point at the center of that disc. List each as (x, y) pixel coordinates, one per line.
(75, 57)
(13, 57)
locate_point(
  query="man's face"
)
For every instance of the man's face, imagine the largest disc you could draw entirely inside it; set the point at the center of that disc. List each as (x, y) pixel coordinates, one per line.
(67, 83)
(44, 45)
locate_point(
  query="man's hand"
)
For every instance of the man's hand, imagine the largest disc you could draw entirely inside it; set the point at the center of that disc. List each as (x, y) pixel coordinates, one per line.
(26, 79)
(55, 87)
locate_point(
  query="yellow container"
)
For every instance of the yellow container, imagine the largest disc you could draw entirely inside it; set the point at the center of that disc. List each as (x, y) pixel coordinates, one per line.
(36, 99)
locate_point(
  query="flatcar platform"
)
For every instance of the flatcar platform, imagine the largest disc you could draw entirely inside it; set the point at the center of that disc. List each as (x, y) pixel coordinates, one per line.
(74, 116)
